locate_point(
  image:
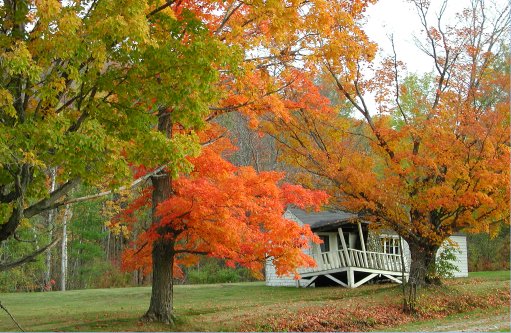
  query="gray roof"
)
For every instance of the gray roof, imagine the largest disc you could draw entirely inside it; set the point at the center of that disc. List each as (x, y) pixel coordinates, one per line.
(330, 219)
(324, 218)
(394, 233)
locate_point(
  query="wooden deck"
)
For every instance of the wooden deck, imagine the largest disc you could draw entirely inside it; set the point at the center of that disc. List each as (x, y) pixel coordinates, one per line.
(350, 261)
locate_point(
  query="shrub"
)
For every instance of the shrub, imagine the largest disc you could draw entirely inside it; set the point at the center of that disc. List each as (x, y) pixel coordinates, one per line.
(211, 270)
(445, 263)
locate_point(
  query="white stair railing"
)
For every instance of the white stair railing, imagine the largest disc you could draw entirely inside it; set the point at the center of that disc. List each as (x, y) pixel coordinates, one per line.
(357, 258)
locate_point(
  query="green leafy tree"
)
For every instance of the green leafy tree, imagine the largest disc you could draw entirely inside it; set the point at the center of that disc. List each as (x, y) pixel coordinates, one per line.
(87, 253)
(79, 81)
(27, 277)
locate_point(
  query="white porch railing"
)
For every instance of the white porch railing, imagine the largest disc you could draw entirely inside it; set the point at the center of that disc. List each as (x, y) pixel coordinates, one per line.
(356, 258)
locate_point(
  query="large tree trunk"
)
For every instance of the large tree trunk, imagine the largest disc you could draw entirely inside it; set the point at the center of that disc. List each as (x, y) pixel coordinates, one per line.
(422, 267)
(422, 272)
(160, 308)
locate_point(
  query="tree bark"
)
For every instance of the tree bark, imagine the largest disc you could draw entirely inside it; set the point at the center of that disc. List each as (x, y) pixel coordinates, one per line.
(422, 272)
(63, 264)
(50, 225)
(422, 266)
(160, 308)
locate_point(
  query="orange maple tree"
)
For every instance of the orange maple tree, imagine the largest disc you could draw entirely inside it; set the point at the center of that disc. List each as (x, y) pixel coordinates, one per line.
(432, 158)
(224, 211)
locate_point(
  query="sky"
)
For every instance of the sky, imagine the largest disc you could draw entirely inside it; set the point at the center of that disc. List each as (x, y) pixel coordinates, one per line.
(397, 17)
(400, 18)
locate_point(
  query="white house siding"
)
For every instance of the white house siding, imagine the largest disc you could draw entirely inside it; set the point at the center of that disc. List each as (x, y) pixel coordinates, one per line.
(272, 279)
(461, 256)
(460, 243)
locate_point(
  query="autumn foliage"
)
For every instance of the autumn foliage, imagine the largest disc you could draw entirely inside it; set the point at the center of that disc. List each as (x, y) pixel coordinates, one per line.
(264, 42)
(227, 212)
(93, 88)
(431, 157)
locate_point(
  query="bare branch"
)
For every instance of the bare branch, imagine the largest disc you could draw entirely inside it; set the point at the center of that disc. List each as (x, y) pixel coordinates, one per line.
(10, 315)
(29, 258)
(396, 81)
(228, 15)
(213, 140)
(135, 183)
(362, 109)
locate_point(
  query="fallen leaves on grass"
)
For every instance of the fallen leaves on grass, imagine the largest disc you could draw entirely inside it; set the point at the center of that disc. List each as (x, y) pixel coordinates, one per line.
(447, 302)
(466, 281)
(331, 318)
(433, 305)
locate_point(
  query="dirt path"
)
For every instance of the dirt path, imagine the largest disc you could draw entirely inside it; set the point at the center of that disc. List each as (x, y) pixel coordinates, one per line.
(493, 322)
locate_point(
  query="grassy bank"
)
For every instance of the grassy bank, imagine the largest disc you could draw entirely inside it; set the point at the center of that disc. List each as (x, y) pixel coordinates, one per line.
(253, 306)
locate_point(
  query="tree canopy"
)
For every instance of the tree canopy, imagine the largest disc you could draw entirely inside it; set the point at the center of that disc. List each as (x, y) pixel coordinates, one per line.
(79, 84)
(431, 158)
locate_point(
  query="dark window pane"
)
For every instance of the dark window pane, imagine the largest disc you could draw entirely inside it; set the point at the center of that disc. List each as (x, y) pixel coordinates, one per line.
(325, 246)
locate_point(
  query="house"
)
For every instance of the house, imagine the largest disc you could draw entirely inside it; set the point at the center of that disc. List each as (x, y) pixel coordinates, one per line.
(357, 257)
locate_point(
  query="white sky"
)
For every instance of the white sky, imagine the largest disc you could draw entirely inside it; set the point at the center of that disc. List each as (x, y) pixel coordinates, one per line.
(399, 17)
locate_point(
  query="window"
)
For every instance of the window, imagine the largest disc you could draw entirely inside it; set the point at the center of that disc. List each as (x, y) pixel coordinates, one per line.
(325, 246)
(390, 245)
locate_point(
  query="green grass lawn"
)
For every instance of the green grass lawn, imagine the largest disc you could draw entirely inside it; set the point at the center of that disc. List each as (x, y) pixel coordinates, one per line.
(220, 307)
(488, 275)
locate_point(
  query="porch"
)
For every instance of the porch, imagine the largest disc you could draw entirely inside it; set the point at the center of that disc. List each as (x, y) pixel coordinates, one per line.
(349, 255)
(351, 268)
(343, 257)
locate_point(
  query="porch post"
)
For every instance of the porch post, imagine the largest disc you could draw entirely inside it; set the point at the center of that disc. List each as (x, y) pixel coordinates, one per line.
(351, 277)
(317, 256)
(344, 247)
(362, 242)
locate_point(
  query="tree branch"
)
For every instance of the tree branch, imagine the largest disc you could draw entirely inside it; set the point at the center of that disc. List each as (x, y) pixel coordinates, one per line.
(159, 9)
(29, 258)
(228, 15)
(49, 203)
(22, 178)
(135, 183)
(10, 315)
